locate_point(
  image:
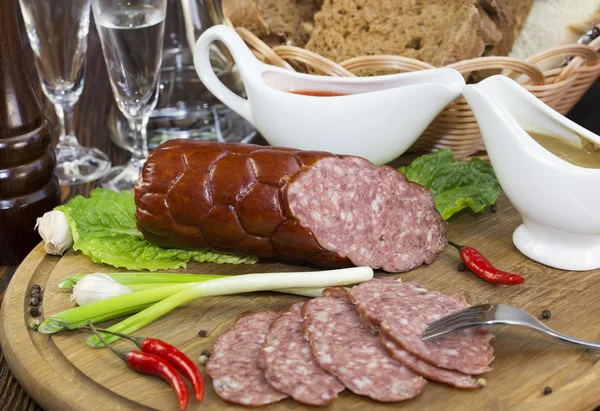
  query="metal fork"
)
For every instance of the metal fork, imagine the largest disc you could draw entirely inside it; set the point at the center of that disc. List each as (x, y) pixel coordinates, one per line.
(491, 314)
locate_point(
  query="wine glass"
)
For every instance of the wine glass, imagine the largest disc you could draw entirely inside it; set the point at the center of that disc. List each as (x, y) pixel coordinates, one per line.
(57, 31)
(131, 34)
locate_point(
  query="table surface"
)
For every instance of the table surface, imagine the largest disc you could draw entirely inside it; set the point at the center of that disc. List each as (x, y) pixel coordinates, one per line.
(93, 131)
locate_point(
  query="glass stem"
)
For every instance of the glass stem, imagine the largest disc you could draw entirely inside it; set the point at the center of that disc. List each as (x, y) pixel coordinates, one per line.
(140, 143)
(67, 137)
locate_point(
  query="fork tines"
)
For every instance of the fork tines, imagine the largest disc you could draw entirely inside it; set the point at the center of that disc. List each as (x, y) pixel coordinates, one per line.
(459, 320)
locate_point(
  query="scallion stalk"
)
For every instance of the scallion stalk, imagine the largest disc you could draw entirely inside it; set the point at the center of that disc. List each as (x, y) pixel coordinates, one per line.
(128, 278)
(107, 309)
(236, 285)
(305, 292)
(145, 281)
(51, 324)
(142, 287)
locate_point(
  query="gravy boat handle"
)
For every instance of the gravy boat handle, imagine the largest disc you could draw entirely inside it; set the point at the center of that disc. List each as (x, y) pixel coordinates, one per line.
(240, 53)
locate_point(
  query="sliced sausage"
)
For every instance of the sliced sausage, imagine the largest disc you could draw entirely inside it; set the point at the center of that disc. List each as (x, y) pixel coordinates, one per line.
(233, 365)
(431, 372)
(289, 365)
(403, 310)
(343, 347)
(306, 206)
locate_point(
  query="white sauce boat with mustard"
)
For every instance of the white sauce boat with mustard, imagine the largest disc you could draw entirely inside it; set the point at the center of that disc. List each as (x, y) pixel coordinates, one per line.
(378, 118)
(558, 201)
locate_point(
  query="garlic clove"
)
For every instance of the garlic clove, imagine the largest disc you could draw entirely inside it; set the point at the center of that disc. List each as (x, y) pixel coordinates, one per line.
(97, 287)
(54, 229)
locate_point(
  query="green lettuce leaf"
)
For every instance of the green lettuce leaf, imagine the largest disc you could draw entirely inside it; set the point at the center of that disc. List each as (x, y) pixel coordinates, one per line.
(455, 185)
(104, 229)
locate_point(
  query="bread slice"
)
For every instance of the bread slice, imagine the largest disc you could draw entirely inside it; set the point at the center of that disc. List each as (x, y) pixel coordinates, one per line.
(498, 9)
(275, 21)
(439, 32)
(488, 28)
(574, 31)
(244, 13)
(555, 22)
(515, 15)
(291, 20)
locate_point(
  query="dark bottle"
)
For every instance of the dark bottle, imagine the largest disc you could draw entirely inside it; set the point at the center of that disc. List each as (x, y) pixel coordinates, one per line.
(28, 186)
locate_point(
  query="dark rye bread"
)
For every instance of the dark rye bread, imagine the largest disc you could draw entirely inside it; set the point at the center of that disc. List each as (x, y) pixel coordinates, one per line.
(436, 31)
(509, 26)
(439, 32)
(274, 21)
(516, 14)
(488, 29)
(244, 13)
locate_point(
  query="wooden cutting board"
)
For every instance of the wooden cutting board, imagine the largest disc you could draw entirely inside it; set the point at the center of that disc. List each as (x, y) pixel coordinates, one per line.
(61, 372)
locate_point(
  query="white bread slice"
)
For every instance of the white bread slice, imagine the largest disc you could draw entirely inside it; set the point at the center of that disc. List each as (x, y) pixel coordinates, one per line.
(555, 22)
(576, 30)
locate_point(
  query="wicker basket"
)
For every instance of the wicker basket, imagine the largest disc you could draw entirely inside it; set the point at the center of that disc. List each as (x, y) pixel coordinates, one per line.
(455, 127)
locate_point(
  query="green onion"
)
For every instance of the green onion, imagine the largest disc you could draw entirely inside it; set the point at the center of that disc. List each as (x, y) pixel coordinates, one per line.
(143, 278)
(142, 287)
(234, 285)
(59, 323)
(305, 292)
(145, 281)
(107, 309)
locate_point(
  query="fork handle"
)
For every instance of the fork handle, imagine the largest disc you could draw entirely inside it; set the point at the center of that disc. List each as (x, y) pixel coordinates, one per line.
(561, 337)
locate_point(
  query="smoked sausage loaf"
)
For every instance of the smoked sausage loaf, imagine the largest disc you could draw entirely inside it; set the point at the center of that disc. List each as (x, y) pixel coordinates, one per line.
(302, 206)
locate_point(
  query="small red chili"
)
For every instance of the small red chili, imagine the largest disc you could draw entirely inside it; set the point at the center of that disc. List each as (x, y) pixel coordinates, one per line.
(170, 354)
(151, 364)
(482, 268)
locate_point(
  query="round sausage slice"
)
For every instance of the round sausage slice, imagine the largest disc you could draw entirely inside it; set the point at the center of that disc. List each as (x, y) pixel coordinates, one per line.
(403, 310)
(371, 215)
(289, 365)
(431, 372)
(344, 348)
(233, 366)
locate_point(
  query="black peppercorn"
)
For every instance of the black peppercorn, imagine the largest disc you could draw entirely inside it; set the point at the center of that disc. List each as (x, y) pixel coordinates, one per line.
(36, 287)
(547, 390)
(493, 208)
(34, 311)
(546, 314)
(34, 301)
(206, 353)
(461, 266)
(202, 333)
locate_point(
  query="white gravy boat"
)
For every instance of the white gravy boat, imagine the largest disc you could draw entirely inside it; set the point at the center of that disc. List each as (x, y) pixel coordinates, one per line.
(558, 201)
(378, 118)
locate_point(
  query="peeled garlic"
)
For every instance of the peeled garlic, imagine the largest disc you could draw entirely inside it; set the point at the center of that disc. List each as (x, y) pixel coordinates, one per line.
(96, 287)
(55, 231)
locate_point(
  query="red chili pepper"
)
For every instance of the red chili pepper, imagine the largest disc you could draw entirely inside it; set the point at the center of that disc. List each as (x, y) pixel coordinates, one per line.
(151, 364)
(482, 268)
(170, 354)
